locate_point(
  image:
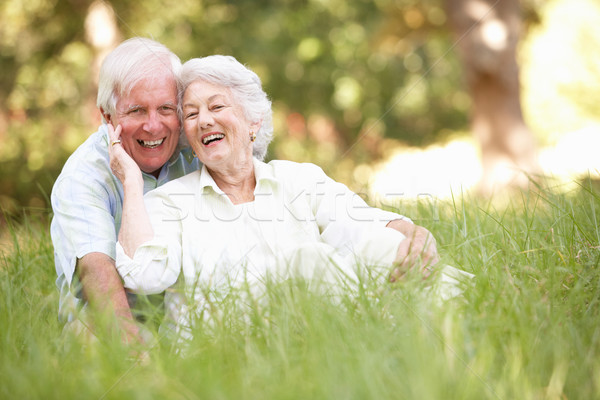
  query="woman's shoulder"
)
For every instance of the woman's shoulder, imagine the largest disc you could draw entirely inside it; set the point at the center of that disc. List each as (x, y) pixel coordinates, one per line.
(285, 169)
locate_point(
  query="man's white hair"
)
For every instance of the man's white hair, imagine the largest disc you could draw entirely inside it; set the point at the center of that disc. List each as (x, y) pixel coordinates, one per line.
(130, 62)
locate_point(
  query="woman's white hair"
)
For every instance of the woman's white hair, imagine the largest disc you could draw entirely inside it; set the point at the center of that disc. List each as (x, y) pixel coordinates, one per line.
(130, 62)
(245, 86)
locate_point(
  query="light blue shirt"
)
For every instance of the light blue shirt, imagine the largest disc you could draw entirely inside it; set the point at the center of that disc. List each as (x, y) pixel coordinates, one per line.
(87, 201)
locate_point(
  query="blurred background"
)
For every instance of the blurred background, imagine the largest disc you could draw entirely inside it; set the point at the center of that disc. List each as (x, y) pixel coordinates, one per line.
(400, 98)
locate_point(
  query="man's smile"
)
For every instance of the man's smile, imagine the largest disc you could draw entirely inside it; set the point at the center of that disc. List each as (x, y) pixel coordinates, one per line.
(151, 144)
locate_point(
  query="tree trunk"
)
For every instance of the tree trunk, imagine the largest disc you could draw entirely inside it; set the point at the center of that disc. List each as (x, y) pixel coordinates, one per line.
(103, 34)
(487, 33)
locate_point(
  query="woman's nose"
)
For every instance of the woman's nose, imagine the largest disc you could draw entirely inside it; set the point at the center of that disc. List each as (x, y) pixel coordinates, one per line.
(205, 120)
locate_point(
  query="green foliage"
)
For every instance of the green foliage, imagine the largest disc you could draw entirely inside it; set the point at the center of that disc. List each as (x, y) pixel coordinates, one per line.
(351, 61)
(526, 328)
(343, 75)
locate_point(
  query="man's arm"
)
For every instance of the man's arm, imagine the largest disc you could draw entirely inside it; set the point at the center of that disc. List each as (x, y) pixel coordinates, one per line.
(103, 290)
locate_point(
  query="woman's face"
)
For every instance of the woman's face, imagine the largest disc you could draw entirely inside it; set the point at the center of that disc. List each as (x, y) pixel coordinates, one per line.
(215, 126)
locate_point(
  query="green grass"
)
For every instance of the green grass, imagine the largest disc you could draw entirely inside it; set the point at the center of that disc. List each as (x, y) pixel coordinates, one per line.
(527, 328)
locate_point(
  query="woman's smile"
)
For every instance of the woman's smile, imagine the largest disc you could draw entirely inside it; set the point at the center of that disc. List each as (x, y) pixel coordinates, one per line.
(212, 138)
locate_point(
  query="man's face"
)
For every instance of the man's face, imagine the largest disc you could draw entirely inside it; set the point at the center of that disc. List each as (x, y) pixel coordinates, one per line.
(148, 117)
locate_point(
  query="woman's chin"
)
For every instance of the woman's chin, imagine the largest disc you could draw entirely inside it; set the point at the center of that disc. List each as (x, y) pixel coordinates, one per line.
(214, 161)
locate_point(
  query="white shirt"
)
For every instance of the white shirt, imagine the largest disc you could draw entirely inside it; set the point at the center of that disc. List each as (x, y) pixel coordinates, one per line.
(202, 238)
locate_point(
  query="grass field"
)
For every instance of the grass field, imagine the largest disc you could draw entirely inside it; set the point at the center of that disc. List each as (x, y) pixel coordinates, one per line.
(527, 328)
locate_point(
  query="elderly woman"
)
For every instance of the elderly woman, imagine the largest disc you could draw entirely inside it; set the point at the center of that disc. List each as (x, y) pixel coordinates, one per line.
(240, 220)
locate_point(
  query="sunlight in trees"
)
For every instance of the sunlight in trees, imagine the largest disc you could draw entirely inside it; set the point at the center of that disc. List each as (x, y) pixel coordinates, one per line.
(370, 77)
(100, 25)
(561, 81)
(560, 69)
(437, 171)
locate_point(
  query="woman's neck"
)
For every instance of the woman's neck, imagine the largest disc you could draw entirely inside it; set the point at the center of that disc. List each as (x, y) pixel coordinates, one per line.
(238, 181)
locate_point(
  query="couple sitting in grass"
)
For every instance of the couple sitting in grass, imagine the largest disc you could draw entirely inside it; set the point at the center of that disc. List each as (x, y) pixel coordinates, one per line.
(242, 222)
(225, 221)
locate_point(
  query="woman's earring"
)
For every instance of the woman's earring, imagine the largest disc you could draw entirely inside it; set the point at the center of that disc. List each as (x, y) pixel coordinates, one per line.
(252, 136)
(194, 153)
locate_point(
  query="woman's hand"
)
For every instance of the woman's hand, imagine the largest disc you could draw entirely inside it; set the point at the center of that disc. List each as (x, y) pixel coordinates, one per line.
(121, 163)
(135, 223)
(418, 250)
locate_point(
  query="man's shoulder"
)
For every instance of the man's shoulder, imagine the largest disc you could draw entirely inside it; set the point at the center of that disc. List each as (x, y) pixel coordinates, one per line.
(90, 157)
(87, 167)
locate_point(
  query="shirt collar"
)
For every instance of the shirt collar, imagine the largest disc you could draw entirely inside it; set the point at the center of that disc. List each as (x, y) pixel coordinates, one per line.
(206, 180)
(104, 129)
(264, 173)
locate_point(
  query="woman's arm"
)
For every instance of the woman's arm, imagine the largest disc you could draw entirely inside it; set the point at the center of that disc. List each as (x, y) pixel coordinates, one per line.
(136, 228)
(342, 215)
(146, 265)
(418, 250)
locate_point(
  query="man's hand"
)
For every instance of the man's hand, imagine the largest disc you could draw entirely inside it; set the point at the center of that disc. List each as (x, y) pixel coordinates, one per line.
(418, 250)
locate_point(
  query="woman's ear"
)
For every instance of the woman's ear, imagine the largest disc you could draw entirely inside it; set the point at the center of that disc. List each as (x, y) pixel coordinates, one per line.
(255, 126)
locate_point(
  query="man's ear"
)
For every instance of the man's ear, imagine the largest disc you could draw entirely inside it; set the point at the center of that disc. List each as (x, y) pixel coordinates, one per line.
(105, 115)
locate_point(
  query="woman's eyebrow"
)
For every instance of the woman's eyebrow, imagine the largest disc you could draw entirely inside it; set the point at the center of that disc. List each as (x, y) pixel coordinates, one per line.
(211, 98)
(214, 96)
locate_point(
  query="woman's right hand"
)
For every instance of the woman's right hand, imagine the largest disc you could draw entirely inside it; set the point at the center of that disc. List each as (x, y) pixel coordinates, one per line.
(121, 163)
(136, 228)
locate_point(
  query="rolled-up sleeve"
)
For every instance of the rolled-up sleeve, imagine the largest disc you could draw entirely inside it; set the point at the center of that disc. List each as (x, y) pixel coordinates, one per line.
(156, 264)
(377, 246)
(82, 222)
(154, 267)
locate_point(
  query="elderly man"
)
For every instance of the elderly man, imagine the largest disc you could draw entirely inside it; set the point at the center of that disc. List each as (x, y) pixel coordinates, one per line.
(138, 91)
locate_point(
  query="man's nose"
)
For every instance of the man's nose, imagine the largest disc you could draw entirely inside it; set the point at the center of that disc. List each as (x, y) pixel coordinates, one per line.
(153, 122)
